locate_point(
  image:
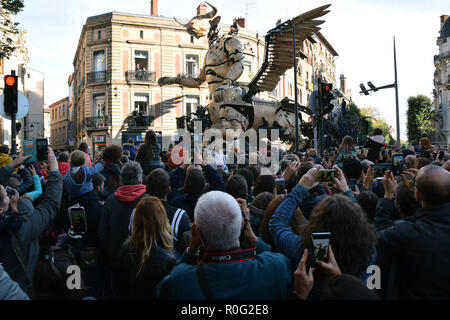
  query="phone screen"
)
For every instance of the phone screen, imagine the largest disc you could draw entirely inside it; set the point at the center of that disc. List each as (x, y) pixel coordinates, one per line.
(320, 242)
(352, 183)
(42, 149)
(397, 164)
(379, 170)
(326, 175)
(280, 184)
(78, 220)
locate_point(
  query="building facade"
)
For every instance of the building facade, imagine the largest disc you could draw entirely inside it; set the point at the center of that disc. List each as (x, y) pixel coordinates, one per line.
(121, 56)
(441, 90)
(47, 129)
(31, 84)
(59, 124)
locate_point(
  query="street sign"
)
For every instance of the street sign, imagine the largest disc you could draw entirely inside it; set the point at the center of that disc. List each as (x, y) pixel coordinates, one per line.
(22, 107)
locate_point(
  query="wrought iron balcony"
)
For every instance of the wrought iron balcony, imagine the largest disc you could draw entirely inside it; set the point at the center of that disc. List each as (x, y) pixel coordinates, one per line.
(98, 76)
(136, 120)
(140, 76)
(97, 122)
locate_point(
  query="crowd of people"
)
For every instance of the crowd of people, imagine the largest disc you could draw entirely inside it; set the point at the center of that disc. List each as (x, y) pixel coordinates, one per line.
(155, 228)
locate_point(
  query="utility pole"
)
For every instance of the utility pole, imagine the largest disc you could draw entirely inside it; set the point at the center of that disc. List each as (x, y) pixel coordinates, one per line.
(396, 97)
(395, 86)
(295, 89)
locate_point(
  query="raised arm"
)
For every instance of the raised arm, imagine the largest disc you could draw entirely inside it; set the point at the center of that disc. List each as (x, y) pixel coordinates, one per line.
(35, 223)
(37, 188)
(91, 172)
(184, 81)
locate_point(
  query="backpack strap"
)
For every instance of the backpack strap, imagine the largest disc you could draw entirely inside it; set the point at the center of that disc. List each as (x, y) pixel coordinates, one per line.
(204, 283)
(18, 253)
(176, 222)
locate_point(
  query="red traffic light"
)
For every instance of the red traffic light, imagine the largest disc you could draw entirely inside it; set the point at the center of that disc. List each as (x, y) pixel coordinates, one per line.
(328, 88)
(10, 81)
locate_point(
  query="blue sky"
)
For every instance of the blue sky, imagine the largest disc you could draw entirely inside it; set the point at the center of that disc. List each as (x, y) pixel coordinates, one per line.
(360, 31)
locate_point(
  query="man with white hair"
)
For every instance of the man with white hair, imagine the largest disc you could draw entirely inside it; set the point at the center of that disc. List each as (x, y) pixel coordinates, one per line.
(224, 269)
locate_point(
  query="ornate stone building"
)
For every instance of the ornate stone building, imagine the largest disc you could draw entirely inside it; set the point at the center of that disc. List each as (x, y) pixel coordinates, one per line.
(121, 56)
(442, 82)
(59, 124)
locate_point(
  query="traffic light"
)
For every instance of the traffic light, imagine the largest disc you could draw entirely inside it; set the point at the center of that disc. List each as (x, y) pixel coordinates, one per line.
(325, 96)
(10, 92)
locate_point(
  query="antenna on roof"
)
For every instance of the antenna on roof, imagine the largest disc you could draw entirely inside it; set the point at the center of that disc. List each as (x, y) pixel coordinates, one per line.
(248, 6)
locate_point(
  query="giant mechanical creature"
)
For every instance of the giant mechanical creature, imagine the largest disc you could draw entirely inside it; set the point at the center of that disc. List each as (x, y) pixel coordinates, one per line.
(231, 106)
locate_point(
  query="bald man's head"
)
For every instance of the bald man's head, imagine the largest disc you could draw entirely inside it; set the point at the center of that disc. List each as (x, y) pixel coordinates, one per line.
(433, 182)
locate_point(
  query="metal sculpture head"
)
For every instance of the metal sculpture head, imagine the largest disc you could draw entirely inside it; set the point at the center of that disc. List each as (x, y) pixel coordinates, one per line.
(199, 25)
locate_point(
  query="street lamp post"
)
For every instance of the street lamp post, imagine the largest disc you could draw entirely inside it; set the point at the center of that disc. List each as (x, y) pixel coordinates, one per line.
(394, 85)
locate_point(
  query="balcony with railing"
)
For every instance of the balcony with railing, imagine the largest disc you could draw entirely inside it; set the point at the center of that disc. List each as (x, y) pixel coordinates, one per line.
(100, 122)
(136, 76)
(99, 77)
(139, 121)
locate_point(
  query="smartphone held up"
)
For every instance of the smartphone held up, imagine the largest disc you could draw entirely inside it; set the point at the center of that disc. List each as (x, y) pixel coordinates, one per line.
(77, 218)
(37, 148)
(320, 243)
(326, 175)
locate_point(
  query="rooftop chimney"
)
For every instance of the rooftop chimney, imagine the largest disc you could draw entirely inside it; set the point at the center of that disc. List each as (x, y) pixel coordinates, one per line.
(202, 9)
(241, 22)
(154, 8)
(443, 19)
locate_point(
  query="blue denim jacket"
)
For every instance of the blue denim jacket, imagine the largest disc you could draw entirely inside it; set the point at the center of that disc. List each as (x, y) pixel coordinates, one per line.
(86, 186)
(285, 240)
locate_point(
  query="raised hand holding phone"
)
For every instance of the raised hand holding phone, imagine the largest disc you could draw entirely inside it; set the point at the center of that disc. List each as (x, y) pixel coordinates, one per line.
(340, 182)
(308, 181)
(303, 280)
(389, 184)
(331, 267)
(51, 160)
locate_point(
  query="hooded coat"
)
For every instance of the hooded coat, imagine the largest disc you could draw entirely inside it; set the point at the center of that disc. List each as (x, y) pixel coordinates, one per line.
(4, 159)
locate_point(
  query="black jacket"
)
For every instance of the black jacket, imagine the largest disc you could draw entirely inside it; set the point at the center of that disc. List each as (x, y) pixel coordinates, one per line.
(113, 227)
(146, 160)
(180, 223)
(417, 250)
(125, 268)
(374, 144)
(94, 211)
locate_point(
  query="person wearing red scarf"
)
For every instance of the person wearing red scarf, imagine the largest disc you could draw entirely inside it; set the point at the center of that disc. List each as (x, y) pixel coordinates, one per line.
(118, 209)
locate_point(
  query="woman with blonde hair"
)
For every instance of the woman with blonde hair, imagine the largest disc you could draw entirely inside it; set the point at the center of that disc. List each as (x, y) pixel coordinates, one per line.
(146, 257)
(346, 151)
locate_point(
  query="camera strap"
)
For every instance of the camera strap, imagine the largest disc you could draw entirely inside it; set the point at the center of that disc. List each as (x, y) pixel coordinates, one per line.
(220, 258)
(228, 257)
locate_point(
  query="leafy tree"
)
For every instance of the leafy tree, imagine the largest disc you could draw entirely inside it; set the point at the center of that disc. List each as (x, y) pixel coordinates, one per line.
(8, 28)
(424, 118)
(419, 116)
(376, 121)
